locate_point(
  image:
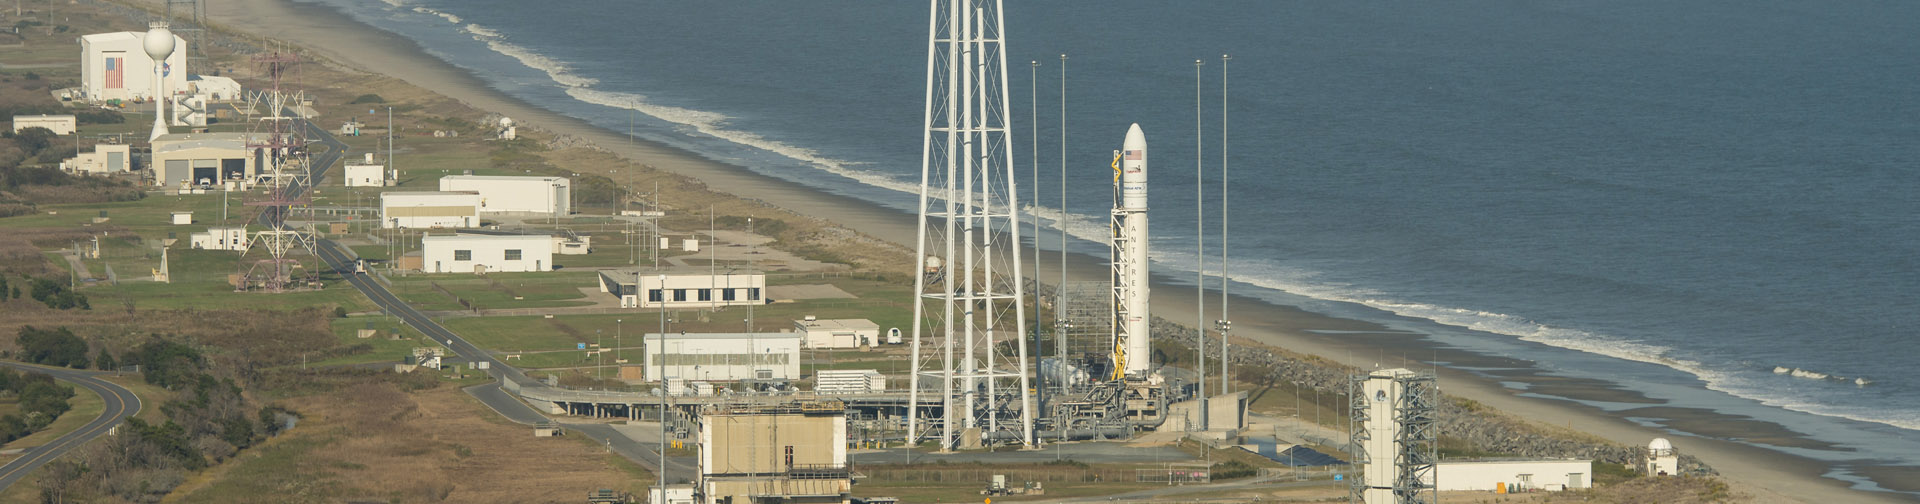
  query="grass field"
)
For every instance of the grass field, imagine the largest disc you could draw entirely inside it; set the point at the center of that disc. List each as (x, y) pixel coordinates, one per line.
(495, 291)
(383, 349)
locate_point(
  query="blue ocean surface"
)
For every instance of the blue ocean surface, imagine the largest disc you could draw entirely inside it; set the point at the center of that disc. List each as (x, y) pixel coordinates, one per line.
(1710, 202)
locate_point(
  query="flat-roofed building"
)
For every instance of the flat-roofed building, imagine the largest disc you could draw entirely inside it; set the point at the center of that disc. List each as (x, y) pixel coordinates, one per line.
(723, 356)
(506, 194)
(838, 333)
(219, 238)
(429, 209)
(105, 159)
(789, 453)
(365, 173)
(684, 287)
(1515, 475)
(477, 253)
(204, 158)
(58, 124)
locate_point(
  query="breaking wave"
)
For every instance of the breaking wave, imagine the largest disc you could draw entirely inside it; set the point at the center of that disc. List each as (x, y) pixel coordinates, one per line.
(443, 15)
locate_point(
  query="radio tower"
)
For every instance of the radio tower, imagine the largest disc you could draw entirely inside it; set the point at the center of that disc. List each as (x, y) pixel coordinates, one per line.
(969, 323)
(280, 138)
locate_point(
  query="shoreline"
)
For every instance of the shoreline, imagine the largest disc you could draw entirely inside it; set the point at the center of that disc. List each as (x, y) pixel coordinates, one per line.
(336, 36)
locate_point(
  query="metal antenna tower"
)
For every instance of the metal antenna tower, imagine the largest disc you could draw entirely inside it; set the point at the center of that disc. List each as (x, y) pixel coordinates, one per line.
(279, 141)
(968, 303)
(194, 13)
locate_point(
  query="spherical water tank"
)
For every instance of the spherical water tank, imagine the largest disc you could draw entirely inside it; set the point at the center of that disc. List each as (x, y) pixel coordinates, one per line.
(159, 42)
(1660, 446)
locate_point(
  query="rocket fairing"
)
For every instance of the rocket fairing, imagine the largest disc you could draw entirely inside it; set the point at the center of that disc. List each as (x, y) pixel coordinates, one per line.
(1130, 286)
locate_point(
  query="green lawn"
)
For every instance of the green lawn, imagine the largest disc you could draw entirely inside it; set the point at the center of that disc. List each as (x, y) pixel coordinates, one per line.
(496, 291)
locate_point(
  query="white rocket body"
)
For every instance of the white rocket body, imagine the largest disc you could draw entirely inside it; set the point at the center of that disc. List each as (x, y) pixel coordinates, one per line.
(1130, 255)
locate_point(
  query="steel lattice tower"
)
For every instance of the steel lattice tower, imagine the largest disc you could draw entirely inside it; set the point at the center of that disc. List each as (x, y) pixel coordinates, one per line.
(968, 306)
(281, 138)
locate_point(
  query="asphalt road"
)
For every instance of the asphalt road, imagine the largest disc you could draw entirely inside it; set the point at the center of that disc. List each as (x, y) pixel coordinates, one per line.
(120, 403)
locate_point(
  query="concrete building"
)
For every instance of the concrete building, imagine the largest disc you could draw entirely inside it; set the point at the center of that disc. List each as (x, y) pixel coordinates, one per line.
(515, 195)
(1513, 475)
(684, 287)
(213, 87)
(181, 218)
(474, 253)
(210, 158)
(220, 238)
(429, 209)
(58, 124)
(366, 174)
(791, 453)
(724, 356)
(105, 159)
(115, 66)
(838, 333)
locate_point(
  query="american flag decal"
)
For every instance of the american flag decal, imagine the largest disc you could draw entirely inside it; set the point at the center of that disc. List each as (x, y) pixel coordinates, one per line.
(116, 73)
(1133, 155)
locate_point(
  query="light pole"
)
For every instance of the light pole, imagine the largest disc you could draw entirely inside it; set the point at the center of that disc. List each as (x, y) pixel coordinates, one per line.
(618, 330)
(1200, 254)
(661, 356)
(1225, 323)
(599, 359)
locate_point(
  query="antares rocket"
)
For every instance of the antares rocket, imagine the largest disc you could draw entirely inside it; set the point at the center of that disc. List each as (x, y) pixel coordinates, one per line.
(1133, 350)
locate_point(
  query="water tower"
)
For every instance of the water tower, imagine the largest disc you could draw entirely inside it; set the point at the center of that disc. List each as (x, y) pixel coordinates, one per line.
(159, 45)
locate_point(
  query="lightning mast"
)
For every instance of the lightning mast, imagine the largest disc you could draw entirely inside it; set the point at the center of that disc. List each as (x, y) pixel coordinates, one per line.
(968, 289)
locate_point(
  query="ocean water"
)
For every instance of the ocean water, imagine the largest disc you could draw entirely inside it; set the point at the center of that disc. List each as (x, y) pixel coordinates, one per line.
(1683, 197)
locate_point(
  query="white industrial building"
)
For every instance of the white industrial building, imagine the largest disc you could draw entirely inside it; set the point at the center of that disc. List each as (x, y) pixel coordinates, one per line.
(1513, 475)
(58, 124)
(515, 195)
(220, 238)
(115, 66)
(848, 381)
(366, 174)
(209, 158)
(724, 356)
(105, 159)
(838, 333)
(214, 87)
(475, 253)
(429, 209)
(181, 218)
(684, 287)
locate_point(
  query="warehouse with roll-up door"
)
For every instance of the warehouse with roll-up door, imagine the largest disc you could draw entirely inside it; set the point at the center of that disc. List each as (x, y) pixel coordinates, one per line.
(506, 194)
(430, 209)
(204, 158)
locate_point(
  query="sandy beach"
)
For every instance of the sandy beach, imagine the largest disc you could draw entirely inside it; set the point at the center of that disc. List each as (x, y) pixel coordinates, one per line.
(1767, 475)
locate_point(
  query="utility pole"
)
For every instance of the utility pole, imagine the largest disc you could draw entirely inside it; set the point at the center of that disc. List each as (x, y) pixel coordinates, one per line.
(1200, 246)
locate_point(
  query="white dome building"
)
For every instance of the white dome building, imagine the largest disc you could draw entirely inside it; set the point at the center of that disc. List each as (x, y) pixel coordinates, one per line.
(1662, 459)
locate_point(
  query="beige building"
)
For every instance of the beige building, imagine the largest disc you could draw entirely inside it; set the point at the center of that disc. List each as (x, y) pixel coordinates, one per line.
(795, 452)
(105, 159)
(684, 287)
(196, 158)
(58, 124)
(429, 209)
(838, 333)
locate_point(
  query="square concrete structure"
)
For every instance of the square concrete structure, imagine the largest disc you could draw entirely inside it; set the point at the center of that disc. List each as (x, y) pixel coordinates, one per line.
(1516, 475)
(838, 333)
(105, 159)
(515, 195)
(684, 287)
(473, 253)
(429, 209)
(785, 453)
(115, 66)
(58, 124)
(724, 356)
(180, 218)
(196, 158)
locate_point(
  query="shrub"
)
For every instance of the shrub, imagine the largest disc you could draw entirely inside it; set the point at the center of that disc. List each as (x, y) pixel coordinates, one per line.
(368, 98)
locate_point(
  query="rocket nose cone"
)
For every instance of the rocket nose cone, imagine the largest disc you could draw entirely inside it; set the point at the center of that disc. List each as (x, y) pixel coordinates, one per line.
(1135, 139)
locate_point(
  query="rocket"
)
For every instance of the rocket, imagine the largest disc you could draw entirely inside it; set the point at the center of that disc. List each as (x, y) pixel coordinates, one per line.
(1132, 345)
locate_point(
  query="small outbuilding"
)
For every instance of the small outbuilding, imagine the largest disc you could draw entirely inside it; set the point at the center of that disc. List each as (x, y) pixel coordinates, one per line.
(105, 159)
(182, 218)
(366, 174)
(220, 238)
(477, 253)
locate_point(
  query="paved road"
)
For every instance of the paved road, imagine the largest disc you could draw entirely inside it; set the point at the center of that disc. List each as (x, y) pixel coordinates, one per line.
(120, 403)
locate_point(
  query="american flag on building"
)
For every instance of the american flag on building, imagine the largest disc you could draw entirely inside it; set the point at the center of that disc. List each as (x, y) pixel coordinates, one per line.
(116, 73)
